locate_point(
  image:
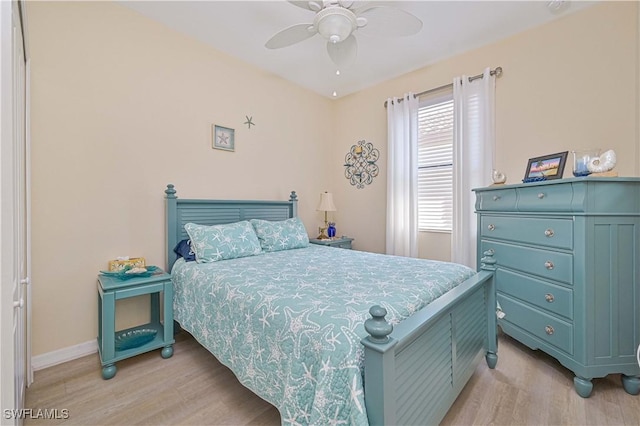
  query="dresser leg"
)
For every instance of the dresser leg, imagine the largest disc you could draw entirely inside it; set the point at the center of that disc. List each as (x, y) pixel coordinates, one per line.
(631, 384)
(583, 386)
(108, 371)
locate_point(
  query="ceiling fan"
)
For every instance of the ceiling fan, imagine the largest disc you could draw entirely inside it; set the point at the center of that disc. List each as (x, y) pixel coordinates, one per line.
(338, 20)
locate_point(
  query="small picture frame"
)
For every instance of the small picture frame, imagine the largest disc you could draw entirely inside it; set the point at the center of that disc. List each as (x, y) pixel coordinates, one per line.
(223, 138)
(547, 167)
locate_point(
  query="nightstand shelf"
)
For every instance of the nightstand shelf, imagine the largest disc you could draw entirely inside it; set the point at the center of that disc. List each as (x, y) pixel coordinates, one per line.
(340, 242)
(111, 289)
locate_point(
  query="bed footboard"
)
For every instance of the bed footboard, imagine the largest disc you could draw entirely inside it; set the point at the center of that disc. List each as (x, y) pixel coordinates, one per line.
(414, 374)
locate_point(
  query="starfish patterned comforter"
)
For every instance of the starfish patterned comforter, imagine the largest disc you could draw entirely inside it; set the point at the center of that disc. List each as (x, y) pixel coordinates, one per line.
(289, 323)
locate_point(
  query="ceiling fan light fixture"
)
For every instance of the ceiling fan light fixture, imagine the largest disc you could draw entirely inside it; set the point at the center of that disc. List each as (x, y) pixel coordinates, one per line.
(335, 23)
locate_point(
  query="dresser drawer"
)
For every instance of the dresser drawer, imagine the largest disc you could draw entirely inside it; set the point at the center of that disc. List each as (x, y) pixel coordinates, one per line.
(545, 198)
(542, 231)
(497, 199)
(551, 297)
(544, 326)
(544, 263)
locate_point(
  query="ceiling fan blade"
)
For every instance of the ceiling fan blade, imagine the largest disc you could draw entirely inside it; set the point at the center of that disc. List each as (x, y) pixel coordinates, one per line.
(359, 6)
(346, 3)
(344, 53)
(309, 5)
(291, 35)
(390, 22)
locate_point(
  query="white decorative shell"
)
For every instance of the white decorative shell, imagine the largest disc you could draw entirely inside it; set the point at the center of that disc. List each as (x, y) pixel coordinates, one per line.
(604, 163)
(498, 177)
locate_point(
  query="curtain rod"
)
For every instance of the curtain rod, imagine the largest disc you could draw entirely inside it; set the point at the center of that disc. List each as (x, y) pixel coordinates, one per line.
(497, 72)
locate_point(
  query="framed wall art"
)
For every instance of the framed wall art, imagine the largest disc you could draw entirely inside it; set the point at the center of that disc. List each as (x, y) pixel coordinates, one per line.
(223, 138)
(360, 164)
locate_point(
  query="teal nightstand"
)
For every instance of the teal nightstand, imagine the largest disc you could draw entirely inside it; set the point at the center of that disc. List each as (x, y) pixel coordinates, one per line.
(115, 346)
(340, 242)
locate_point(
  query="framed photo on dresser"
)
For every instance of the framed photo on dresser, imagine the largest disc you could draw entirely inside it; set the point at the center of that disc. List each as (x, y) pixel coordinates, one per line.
(546, 167)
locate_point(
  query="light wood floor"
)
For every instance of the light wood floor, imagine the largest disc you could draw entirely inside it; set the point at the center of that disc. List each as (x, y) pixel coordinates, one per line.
(192, 388)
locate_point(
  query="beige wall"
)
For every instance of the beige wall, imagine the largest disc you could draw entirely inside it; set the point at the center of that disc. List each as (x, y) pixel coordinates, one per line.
(570, 84)
(121, 106)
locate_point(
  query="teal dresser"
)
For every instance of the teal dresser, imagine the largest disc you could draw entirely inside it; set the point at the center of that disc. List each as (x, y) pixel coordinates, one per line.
(568, 271)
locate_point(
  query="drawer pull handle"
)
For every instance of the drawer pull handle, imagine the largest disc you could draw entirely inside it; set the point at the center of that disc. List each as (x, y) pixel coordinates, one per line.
(491, 227)
(548, 264)
(549, 330)
(541, 195)
(549, 297)
(549, 232)
(496, 197)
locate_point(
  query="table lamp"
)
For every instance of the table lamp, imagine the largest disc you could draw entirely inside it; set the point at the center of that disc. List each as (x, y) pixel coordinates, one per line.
(326, 205)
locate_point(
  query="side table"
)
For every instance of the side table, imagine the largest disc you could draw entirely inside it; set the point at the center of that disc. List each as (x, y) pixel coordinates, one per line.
(136, 340)
(340, 242)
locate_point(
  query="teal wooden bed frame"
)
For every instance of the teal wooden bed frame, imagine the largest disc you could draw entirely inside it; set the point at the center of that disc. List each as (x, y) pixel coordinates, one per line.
(413, 374)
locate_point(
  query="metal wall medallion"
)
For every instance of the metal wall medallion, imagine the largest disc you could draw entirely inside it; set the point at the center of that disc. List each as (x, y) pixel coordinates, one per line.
(360, 164)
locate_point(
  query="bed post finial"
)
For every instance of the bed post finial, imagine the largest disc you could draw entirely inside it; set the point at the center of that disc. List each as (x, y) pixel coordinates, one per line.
(170, 191)
(293, 199)
(377, 327)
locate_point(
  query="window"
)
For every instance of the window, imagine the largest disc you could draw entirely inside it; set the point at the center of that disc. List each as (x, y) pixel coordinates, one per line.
(435, 163)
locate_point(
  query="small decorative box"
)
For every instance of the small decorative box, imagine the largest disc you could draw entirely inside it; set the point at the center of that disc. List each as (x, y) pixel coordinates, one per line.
(119, 265)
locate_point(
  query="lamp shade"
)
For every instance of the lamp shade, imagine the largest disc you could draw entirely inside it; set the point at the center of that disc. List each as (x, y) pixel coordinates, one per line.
(326, 202)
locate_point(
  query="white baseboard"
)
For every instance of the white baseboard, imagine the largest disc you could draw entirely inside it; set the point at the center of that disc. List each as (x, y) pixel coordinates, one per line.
(59, 356)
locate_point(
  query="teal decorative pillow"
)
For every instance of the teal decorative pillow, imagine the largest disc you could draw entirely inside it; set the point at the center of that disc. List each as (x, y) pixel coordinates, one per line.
(282, 235)
(220, 242)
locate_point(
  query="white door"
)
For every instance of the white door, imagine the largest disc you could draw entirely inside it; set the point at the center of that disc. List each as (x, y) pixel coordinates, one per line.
(14, 247)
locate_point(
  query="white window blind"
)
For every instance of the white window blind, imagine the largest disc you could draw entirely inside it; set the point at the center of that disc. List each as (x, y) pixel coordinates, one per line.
(435, 163)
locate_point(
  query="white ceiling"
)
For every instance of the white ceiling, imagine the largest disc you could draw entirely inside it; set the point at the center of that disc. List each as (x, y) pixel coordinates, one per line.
(241, 28)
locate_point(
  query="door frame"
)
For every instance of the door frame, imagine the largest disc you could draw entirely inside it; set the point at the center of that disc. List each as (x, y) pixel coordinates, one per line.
(9, 211)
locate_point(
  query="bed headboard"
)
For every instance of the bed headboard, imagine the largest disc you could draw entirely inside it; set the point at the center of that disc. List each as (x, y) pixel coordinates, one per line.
(216, 212)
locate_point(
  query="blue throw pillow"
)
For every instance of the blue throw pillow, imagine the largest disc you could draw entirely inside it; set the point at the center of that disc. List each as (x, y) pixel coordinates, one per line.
(183, 249)
(281, 235)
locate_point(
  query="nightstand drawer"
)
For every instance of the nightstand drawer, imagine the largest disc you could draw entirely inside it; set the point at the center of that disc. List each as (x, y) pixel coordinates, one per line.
(542, 231)
(344, 245)
(551, 297)
(544, 263)
(341, 242)
(545, 198)
(498, 199)
(546, 327)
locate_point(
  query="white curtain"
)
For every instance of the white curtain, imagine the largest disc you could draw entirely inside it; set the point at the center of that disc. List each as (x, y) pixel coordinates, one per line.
(402, 176)
(473, 158)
